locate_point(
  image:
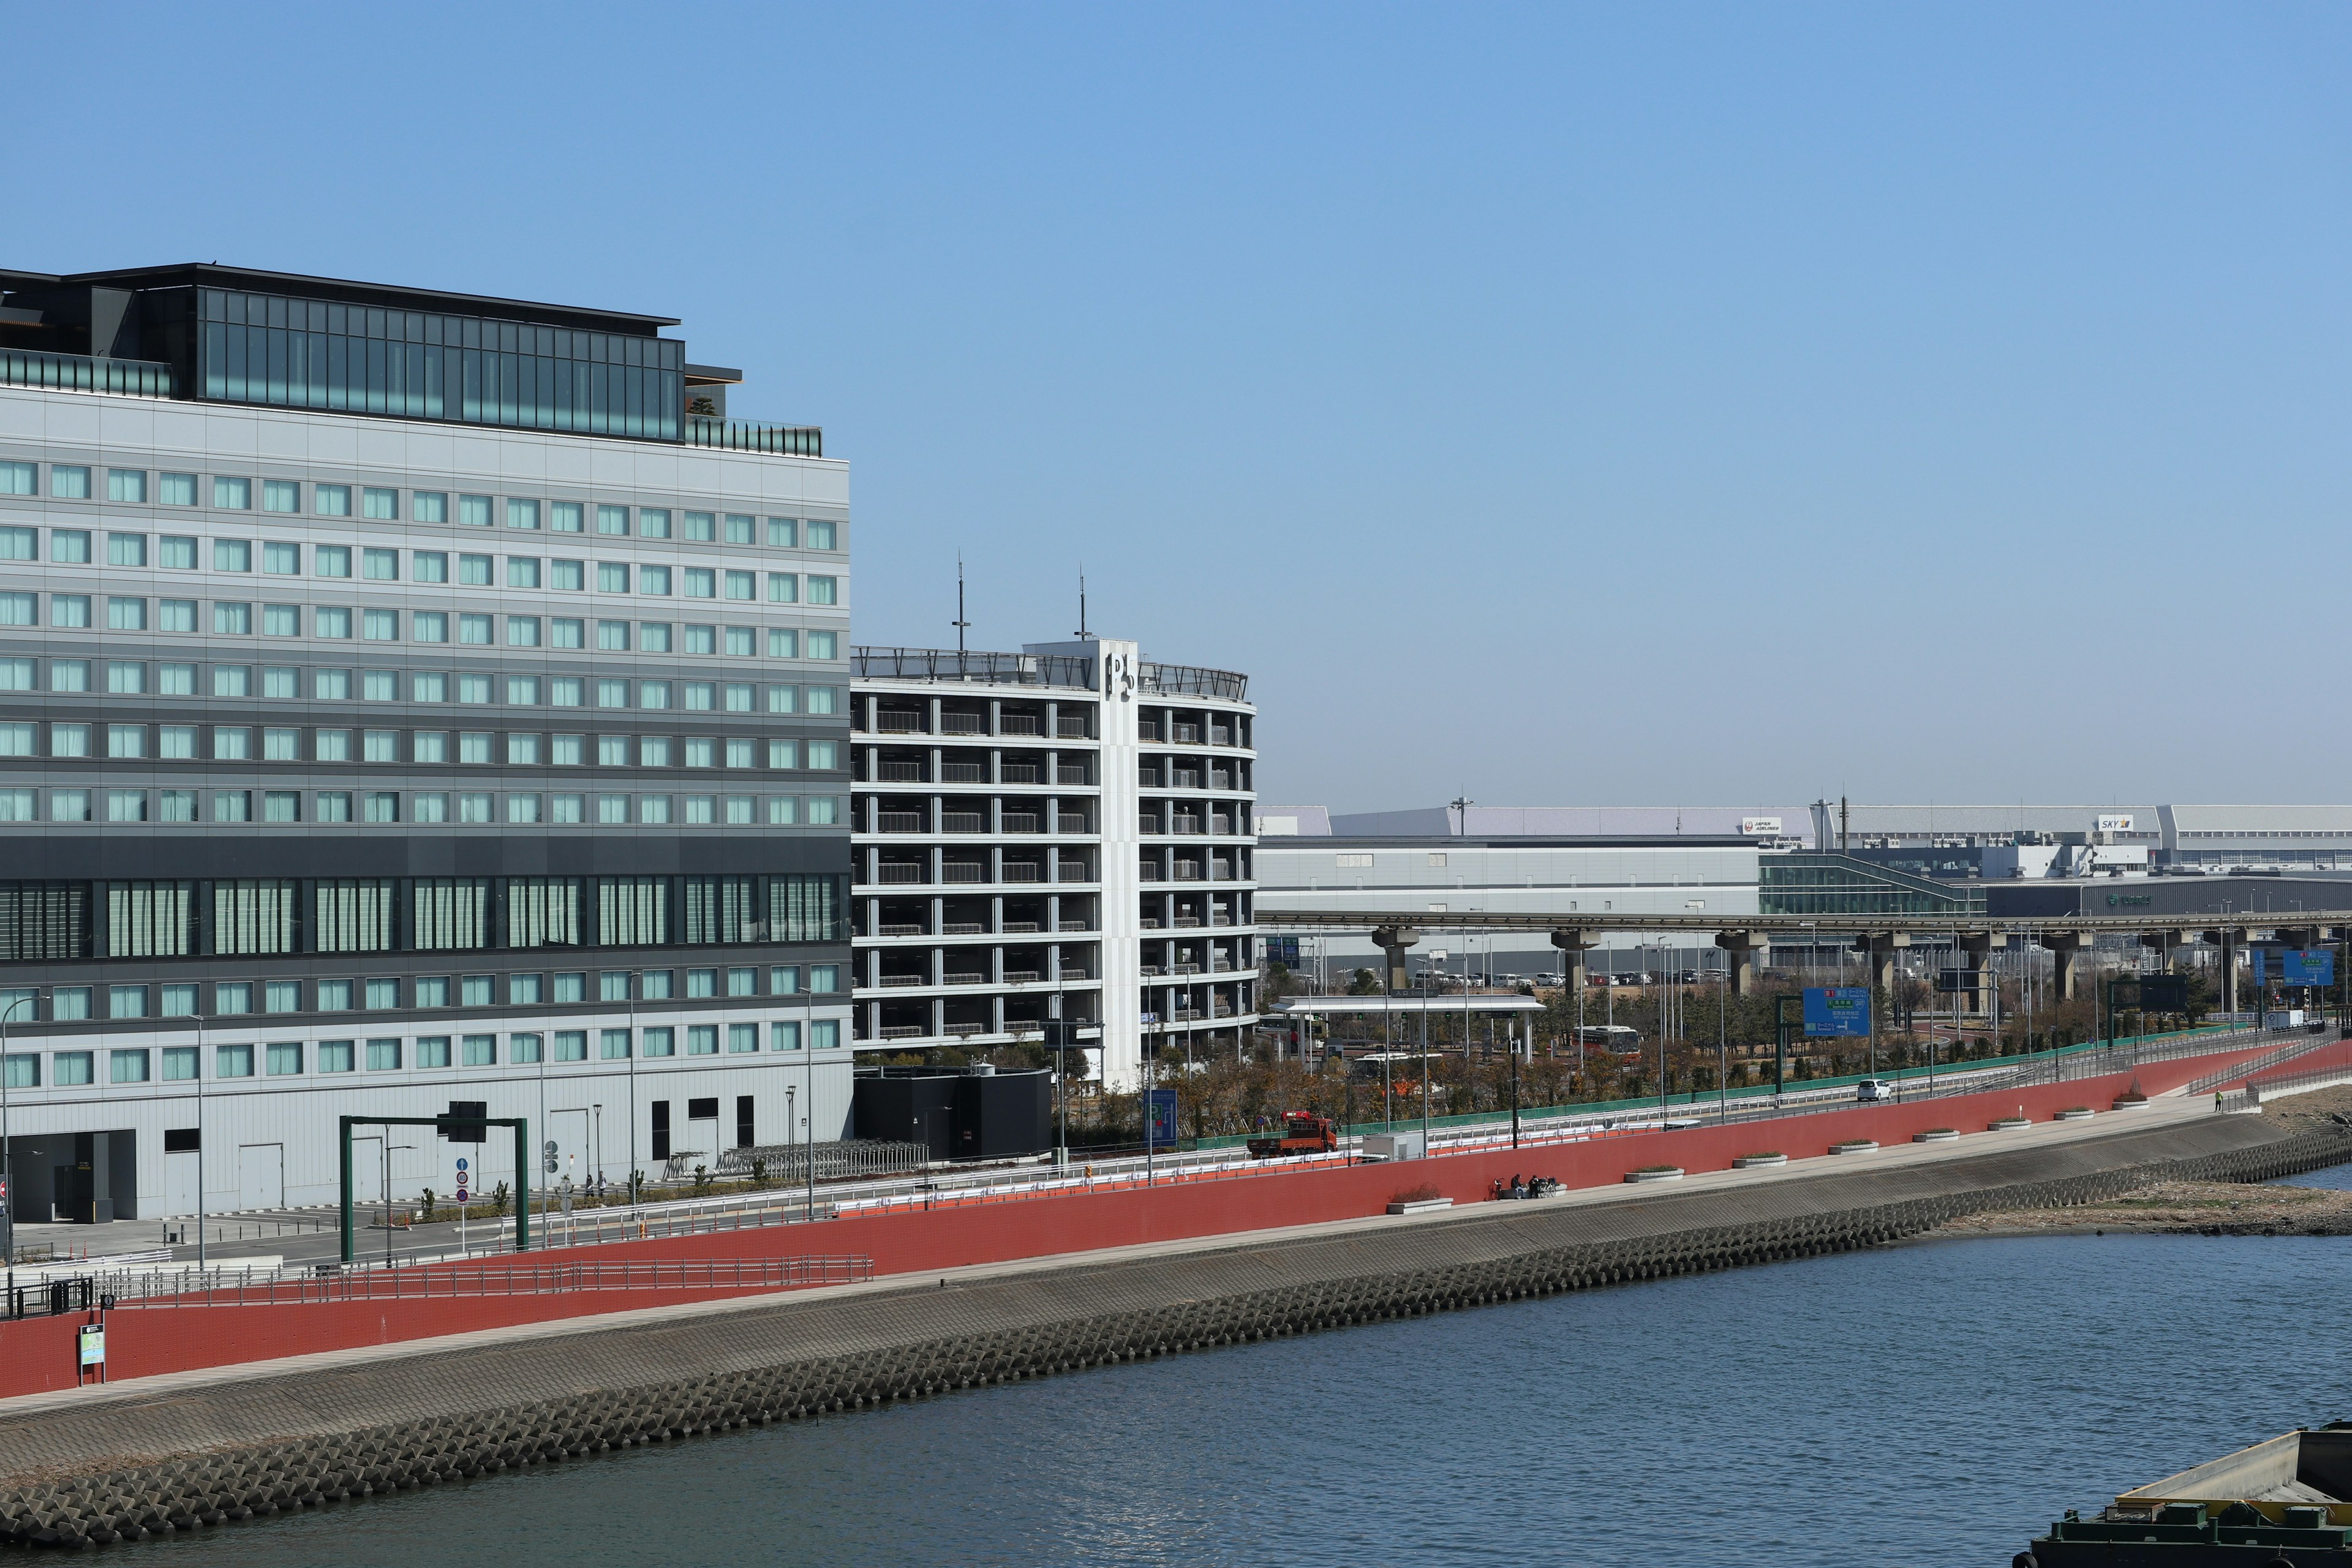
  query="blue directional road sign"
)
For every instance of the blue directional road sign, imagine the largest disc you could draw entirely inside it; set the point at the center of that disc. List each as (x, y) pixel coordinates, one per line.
(2313, 966)
(1163, 1119)
(1837, 1010)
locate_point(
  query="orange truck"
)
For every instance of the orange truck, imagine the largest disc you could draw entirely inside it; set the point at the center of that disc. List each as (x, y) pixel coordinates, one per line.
(1301, 1134)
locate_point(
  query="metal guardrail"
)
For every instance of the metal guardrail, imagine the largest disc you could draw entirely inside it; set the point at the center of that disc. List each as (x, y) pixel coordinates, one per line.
(2302, 1046)
(292, 1286)
(753, 436)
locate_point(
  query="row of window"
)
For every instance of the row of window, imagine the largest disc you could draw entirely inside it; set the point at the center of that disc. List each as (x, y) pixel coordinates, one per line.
(285, 1058)
(236, 998)
(127, 612)
(130, 486)
(464, 806)
(129, 678)
(520, 572)
(283, 558)
(235, 743)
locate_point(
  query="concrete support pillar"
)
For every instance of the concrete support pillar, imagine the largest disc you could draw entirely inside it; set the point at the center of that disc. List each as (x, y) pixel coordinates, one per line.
(1882, 947)
(1979, 946)
(2066, 948)
(1573, 946)
(1743, 946)
(1393, 941)
(2165, 945)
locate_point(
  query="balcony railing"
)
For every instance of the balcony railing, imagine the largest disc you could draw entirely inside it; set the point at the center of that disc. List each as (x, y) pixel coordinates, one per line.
(1025, 872)
(961, 822)
(954, 871)
(905, 1031)
(749, 435)
(1020, 724)
(1070, 823)
(915, 930)
(963, 724)
(888, 980)
(898, 822)
(901, 873)
(1077, 925)
(1019, 772)
(1184, 734)
(962, 773)
(1070, 729)
(965, 977)
(889, 723)
(1185, 824)
(79, 373)
(1019, 822)
(1022, 928)
(898, 772)
(961, 928)
(1072, 777)
(1185, 923)
(1021, 976)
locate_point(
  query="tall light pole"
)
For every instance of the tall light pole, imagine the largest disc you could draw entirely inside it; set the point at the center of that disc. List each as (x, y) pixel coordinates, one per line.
(7, 1171)
(630, 984)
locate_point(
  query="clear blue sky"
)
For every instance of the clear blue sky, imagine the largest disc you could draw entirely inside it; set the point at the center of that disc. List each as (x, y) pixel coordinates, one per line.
(1648, 403)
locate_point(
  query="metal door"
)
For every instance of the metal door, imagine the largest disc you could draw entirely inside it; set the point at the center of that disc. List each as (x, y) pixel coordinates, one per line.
(261, 1177)
(180, 1183)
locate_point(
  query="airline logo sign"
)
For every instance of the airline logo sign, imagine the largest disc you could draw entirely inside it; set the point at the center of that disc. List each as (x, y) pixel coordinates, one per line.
(2115, 824)
(1752, 826)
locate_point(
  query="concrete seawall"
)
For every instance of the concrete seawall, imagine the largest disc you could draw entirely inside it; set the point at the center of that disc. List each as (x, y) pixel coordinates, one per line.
(169, 1453)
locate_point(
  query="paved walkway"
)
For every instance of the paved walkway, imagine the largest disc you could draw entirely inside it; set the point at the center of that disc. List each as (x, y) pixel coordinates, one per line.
(2164, 1111)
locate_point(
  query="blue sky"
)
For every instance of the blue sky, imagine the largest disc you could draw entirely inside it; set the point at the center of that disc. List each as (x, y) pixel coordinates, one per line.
(1642, 404)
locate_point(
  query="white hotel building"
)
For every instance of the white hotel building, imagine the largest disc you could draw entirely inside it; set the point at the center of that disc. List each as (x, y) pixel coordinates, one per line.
(406, 698)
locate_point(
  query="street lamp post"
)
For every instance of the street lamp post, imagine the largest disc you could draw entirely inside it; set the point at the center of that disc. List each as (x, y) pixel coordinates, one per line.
(7, 1171)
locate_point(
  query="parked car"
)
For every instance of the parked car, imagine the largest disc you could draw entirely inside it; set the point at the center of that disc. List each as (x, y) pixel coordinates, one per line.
(1872, 1090)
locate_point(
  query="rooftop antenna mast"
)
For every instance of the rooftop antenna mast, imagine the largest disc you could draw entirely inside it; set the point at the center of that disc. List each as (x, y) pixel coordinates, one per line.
(1461, 805)
(959, 624)
(1084, 635)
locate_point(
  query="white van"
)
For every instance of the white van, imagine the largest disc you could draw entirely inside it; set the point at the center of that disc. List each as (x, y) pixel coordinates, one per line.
(1870, 1089)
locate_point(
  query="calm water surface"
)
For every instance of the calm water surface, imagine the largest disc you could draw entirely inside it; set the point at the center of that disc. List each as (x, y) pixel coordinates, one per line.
(1935, 1403)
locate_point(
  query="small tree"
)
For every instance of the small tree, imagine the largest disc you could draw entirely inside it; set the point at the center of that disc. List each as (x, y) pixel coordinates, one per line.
(500, 1196)
(426, 1214)
(701, 1179)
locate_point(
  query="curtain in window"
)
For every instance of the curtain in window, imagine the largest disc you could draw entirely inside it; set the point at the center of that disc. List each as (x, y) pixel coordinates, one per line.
(252, 917)
(149, 919)
(721, 909)
(452, 913)
(806, 909)
(44, 920)
(542, 911)
(354, 914)
(632, 912)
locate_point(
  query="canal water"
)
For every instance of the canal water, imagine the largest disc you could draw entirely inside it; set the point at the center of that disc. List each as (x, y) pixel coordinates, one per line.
(1934, 1403)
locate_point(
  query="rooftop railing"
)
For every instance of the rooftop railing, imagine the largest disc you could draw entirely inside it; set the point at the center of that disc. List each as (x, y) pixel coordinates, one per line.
(79, 373)
(748, 435)
(1189, 681)
(979, 669)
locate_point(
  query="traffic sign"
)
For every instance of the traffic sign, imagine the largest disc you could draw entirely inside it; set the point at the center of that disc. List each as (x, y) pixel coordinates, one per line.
(2314, 966)
(1837, 1010)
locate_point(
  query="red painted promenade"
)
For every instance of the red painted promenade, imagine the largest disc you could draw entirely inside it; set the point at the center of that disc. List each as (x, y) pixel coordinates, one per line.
(38, 1354)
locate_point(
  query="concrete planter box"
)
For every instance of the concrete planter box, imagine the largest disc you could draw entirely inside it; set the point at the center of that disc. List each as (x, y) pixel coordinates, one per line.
(1672, 1175)
(1854, 1146)
(1420, 1206)
(1759, 1161)
(2129, 1105)
(2078, 1114)
(1936, 1135)
(2009, 1124)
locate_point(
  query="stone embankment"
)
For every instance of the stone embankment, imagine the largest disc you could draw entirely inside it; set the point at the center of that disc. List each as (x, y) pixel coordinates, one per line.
(99, 1466)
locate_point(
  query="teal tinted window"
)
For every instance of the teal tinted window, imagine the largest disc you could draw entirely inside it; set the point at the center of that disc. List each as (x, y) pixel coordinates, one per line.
(309, 353)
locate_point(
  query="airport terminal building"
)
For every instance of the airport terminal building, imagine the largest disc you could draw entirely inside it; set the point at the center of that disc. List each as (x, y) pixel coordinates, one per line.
(406, 698)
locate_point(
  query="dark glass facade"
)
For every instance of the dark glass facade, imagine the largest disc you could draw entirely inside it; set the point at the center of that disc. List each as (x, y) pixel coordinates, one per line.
(422, 364)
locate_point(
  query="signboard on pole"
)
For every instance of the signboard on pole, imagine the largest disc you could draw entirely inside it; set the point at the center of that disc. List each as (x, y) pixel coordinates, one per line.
(2163, 994)
(1837, 1011)
(90, 1342)
(464, 1179)
(1161, 1124)
(2310, 966)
